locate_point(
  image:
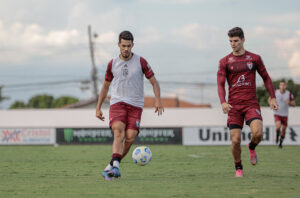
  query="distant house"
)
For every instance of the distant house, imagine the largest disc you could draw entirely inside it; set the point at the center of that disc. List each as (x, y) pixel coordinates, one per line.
(149, 103)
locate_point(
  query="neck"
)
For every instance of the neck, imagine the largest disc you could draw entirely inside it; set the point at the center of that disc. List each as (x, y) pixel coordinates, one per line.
(125, 59)
(282, 91)
(239, 53)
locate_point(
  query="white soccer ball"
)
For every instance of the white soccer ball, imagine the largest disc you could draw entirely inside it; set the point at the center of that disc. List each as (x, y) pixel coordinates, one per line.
(141, 155)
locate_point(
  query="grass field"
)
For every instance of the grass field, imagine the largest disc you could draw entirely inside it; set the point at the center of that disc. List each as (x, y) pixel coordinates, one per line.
(175, 171)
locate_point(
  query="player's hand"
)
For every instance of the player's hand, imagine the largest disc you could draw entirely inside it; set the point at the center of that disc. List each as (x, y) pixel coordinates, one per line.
(159, 109)
(226, 107)
(99, 114)
(287, 101)
(273, 104)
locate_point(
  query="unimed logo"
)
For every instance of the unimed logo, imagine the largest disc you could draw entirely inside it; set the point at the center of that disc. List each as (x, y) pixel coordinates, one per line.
(209, 134)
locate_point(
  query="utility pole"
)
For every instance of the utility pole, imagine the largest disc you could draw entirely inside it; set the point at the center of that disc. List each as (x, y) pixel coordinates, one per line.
(2, 97)
(94, 69)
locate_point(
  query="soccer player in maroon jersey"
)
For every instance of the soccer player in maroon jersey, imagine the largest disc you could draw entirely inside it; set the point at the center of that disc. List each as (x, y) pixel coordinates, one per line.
(239, 69)
(125, 74)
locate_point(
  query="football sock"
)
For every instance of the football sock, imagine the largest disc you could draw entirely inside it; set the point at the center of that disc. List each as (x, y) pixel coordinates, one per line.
(108, 167)
(252, 145)
(238, 165)
(281, 140)
(116, 159)
(277, 134)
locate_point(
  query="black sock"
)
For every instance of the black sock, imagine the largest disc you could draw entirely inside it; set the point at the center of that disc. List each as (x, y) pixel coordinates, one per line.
(281, 140)
(238, 165)
(252, 145)
(277, 133)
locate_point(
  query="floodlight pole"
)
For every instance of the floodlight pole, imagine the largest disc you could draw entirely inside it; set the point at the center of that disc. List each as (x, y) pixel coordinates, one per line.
(94, 69)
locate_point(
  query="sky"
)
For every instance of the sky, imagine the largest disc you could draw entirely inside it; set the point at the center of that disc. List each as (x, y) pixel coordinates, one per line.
(183, 40)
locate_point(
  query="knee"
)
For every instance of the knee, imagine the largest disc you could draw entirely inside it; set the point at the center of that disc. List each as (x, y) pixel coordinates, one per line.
(236, 141)
(257, 135)
(130, 139)
(118, 134)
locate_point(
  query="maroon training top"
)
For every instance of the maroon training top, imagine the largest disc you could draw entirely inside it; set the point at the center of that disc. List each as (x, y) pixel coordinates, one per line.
(240, 72)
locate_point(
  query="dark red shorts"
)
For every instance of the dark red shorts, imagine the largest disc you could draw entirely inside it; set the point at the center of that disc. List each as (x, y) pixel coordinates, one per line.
(282, 119)
(240, 113)
(126, 113)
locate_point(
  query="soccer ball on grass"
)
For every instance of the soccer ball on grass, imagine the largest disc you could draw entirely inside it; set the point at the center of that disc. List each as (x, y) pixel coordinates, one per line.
(141, 155)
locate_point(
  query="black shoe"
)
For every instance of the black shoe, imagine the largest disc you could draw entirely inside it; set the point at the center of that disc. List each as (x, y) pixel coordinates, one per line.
(280, 146)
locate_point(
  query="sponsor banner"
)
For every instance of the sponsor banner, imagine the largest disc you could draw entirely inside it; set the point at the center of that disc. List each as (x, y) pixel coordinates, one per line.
(105, 136)
(30, 136)
(221, 136)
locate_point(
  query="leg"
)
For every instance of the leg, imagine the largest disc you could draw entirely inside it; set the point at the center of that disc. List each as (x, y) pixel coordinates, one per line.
(118, 129)
(278, 126)
(256, 129)
(129, 139)
(282, 135)
(236, 150)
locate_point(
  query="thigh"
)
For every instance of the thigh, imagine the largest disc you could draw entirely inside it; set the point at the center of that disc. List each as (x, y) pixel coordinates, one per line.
(256, 126)
(134, 118)
(117, 113)
(235, 135)
(131, 134)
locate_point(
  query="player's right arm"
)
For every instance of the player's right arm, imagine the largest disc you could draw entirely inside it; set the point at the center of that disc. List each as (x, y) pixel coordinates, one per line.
(101, 98)
(104, 90)
(221, 78)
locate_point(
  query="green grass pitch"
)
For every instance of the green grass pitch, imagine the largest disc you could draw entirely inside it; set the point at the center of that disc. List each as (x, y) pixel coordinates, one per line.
(175, 171)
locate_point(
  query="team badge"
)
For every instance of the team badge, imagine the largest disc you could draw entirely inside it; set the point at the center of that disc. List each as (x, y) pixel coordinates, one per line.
(250, 65)
(248, 57)
(125, 71)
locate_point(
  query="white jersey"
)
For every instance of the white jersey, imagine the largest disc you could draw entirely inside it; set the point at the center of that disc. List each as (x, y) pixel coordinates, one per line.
(283, 107)
(127, 80)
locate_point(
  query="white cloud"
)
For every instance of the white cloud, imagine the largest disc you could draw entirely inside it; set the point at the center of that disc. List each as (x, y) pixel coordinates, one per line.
(148, 35)
(199, 36)
(172, 1)
(282, 19)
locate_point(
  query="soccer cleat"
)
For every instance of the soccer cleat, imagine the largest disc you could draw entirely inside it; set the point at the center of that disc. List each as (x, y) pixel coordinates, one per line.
(252, 156)
(114, 172)
(105, 176)
(280, 146)
(239, 173)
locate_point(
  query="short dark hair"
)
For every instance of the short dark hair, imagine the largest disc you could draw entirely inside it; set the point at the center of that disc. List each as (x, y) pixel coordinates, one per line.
(237, 31)
(126, 35)
(282, 81)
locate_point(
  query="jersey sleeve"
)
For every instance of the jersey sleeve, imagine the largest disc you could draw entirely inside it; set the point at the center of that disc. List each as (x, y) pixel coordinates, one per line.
(221, 78)
(146, 68)
(291, 96)
(261, 69)
(109, 75)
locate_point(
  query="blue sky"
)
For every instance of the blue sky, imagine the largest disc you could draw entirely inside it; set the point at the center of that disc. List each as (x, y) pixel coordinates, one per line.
(183, 41)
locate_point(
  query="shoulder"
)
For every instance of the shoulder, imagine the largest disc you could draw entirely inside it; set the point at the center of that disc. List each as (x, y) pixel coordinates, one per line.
(225, 58)
(253, 55)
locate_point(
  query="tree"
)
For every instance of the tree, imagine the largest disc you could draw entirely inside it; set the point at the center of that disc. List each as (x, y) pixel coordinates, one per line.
(263, 95)
(44, 102)
(18, 105)
(41, 102)
(64, 100)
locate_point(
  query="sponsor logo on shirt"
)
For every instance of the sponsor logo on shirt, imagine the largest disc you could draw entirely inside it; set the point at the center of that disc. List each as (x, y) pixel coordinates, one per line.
(241, 82)
(125, 71)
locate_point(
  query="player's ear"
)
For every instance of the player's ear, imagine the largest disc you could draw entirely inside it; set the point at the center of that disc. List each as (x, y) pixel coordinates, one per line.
(119, 44)
(243, 39)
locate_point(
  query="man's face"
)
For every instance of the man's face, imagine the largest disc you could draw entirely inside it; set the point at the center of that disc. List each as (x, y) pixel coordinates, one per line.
(125, 48)
(236, 43)
(282, 86)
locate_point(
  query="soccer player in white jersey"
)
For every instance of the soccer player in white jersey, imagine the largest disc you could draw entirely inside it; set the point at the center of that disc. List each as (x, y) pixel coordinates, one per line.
(284, 99)
(125, 74)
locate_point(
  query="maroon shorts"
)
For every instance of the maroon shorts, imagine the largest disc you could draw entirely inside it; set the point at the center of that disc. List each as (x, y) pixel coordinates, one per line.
(126, 113)
(282, 119)
(240, 113)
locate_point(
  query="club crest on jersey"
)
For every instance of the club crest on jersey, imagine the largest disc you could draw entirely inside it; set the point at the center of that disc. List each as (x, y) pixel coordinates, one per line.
(250, 65)
(125, 71)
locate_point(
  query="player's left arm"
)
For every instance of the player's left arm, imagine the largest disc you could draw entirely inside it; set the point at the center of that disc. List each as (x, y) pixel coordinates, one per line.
(292, 102)
(156, 89)
(261, 69)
